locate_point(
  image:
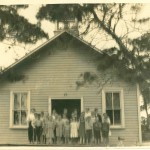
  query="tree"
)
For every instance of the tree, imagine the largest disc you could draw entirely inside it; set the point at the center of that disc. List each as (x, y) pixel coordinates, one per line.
(16, 28)
(130, 55)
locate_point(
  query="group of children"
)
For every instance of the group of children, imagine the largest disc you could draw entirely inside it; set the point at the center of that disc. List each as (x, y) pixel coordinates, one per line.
(87, 128)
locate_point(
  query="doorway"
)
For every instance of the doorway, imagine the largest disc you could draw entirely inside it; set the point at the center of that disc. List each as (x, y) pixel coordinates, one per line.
(70, 104)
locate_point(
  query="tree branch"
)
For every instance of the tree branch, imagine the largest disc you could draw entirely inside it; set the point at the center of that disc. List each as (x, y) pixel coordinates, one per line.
(110, 32)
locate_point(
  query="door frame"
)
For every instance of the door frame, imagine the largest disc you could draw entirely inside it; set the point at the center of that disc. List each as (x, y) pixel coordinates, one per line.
(63, 98)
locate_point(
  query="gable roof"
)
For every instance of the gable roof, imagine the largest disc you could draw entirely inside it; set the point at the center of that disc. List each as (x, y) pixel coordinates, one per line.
(46, 43)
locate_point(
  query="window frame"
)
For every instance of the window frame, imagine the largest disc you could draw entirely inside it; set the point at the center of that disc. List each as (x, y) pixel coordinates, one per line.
(11, 125)
(113, 90)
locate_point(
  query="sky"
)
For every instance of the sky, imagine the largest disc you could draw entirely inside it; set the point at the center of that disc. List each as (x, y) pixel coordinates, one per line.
(9, 54)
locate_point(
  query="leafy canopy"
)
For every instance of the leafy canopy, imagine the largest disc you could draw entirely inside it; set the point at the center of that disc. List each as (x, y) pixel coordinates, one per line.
(17, 28)
(130, 55)
(107, 18)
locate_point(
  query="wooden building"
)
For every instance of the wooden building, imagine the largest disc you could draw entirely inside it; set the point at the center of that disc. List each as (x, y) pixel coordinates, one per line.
(46, 79)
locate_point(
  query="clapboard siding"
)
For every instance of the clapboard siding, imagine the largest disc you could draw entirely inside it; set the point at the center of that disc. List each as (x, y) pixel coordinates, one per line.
(56, 74)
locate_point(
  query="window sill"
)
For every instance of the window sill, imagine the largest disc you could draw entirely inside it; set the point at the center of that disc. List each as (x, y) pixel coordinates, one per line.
(18, 127)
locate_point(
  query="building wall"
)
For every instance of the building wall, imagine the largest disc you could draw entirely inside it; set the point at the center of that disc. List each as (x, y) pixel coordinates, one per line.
(55, 72)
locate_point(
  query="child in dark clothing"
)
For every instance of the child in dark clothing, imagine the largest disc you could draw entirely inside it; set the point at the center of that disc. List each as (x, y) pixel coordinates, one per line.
(82, 128)
(42, 118)
(88, 129)
(34, 128)
(38, 128)
(97, 131)
(105, 132)
(66, 131)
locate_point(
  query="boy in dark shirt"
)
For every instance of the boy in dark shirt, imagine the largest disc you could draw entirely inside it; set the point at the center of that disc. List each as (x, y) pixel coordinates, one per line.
(97, 131)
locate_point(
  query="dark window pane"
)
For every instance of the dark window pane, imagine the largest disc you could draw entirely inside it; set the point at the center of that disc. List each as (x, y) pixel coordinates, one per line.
(116, 100)
(23, 117)
(23, 101)
(108, 101)
(117, 118)
(16, 101)
(110, 114)
(16, 117)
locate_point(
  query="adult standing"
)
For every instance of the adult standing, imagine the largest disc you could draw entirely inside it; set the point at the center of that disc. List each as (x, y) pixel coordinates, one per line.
(97, 115)
(87, 113)
(82, 128)
(31, 121)
(65, 112)
(106, 118)
(97, 131)
(105, 129)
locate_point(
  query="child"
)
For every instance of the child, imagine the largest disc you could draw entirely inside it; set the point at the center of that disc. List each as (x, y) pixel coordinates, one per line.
(42, 120)
(106, 118)
(38, 127)
(97, 131)
(44, 131)
(93, 119)
(74, 114)
(105, 131)
(82, 128)
(55, 121)
(50, 131)
(45, 128)
(74, 130)
(54, 114)
(34, 127)
(65, 112)
(88, 129)
(64, 120)
(59, 129)
(66, 131)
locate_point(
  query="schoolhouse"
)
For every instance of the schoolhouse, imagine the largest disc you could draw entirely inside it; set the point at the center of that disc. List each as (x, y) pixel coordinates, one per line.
(46, 79)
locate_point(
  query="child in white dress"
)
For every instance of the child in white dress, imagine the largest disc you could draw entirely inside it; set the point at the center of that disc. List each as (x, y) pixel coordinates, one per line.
(74, 130)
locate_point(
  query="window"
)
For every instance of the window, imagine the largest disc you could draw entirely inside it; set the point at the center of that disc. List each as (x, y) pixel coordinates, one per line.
(19, 108)
(114, 107)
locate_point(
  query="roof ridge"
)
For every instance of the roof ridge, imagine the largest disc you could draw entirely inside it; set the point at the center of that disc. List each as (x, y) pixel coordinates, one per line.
(45, 43)
(31, 52)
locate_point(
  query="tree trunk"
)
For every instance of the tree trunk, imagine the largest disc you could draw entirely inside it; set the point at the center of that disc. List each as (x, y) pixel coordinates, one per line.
(145, 105)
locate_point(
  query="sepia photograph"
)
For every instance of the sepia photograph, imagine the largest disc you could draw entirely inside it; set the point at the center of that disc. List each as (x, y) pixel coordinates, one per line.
(75, 75)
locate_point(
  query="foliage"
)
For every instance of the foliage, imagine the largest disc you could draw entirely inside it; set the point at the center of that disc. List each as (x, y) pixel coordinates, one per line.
(59, 12)
(87, 77)
(126, 56)
(17, 28)
(14, 76)
(130, 56)
(142, 43)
